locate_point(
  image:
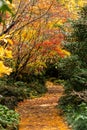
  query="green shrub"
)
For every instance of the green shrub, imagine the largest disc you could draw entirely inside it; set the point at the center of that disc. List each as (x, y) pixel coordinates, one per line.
(66, 67)
(79, 80)
(76, 115)
(37, 88)
(11, 95)
(13, 92)
(9, 119)
(74, 103)
(74, 68)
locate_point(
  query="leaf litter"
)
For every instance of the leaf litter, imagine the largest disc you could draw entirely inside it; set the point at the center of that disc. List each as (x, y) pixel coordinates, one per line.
(41, 113)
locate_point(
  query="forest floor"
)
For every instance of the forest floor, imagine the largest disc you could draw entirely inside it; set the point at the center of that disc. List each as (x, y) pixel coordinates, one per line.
(41, 113)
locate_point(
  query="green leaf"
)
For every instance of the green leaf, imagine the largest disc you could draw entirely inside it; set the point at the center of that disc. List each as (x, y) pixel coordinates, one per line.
(5, 7)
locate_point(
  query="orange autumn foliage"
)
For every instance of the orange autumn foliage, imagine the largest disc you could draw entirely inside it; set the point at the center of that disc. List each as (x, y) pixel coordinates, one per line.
(53, 47)
(40, 38)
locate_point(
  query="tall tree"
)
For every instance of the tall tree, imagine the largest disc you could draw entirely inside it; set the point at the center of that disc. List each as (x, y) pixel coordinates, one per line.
(36, 32)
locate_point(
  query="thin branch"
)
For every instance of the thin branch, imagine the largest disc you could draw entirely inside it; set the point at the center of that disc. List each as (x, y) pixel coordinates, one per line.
(17, 10)
(41, 16)
(10, 26)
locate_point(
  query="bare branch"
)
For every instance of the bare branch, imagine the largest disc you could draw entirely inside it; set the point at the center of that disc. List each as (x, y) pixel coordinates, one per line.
(41, 16)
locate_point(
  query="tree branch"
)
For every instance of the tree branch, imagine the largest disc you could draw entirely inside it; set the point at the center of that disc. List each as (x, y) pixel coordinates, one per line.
(41, 16)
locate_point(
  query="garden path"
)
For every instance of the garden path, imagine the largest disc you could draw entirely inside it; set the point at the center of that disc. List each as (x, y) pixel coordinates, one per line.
(41, 113)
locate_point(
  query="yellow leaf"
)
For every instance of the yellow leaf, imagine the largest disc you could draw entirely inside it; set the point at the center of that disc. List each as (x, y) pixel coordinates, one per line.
(67, 53)
(5, 40)
(80, 3)
(1, 52)
(10, 41)
(4, 69)
(8, 53)
(73, 5)
(60, 22)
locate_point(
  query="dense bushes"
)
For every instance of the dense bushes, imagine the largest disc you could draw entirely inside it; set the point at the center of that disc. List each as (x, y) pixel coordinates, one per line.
(74, 71)
(14, 91)
(8, 119)
(76, 115)
(66, 67)
(74, 68)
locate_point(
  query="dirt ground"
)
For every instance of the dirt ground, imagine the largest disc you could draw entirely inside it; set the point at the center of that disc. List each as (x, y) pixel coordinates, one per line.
(41, 113)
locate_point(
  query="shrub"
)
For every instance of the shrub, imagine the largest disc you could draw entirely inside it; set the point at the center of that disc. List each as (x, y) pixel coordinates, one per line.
(79, 80)
(74, 68)
(66, 67)
(13, 92)
(9, 119)
(76, 115)
(74, 103)
(37, 88)
(11, 95)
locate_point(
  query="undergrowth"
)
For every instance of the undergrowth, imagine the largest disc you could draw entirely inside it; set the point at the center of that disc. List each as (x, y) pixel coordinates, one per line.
(9, 119)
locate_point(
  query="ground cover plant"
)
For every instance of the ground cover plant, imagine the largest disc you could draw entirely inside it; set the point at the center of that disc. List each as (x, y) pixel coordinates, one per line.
(8, 119)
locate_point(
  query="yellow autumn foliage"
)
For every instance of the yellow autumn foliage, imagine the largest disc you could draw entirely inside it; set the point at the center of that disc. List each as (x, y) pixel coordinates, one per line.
(73, 3)
(9, 41)
(1, 52)
(2, 37)
(58, 22)
(5, 53)
(29, 34)
(11, 5)
(66, 53)
(73, 6)
(8, 53)
(4, 69)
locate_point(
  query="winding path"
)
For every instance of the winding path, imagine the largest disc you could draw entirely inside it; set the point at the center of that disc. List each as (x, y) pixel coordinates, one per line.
(41, 113)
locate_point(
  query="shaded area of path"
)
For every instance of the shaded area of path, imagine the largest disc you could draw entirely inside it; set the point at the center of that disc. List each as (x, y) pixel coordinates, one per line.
(41, 113)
